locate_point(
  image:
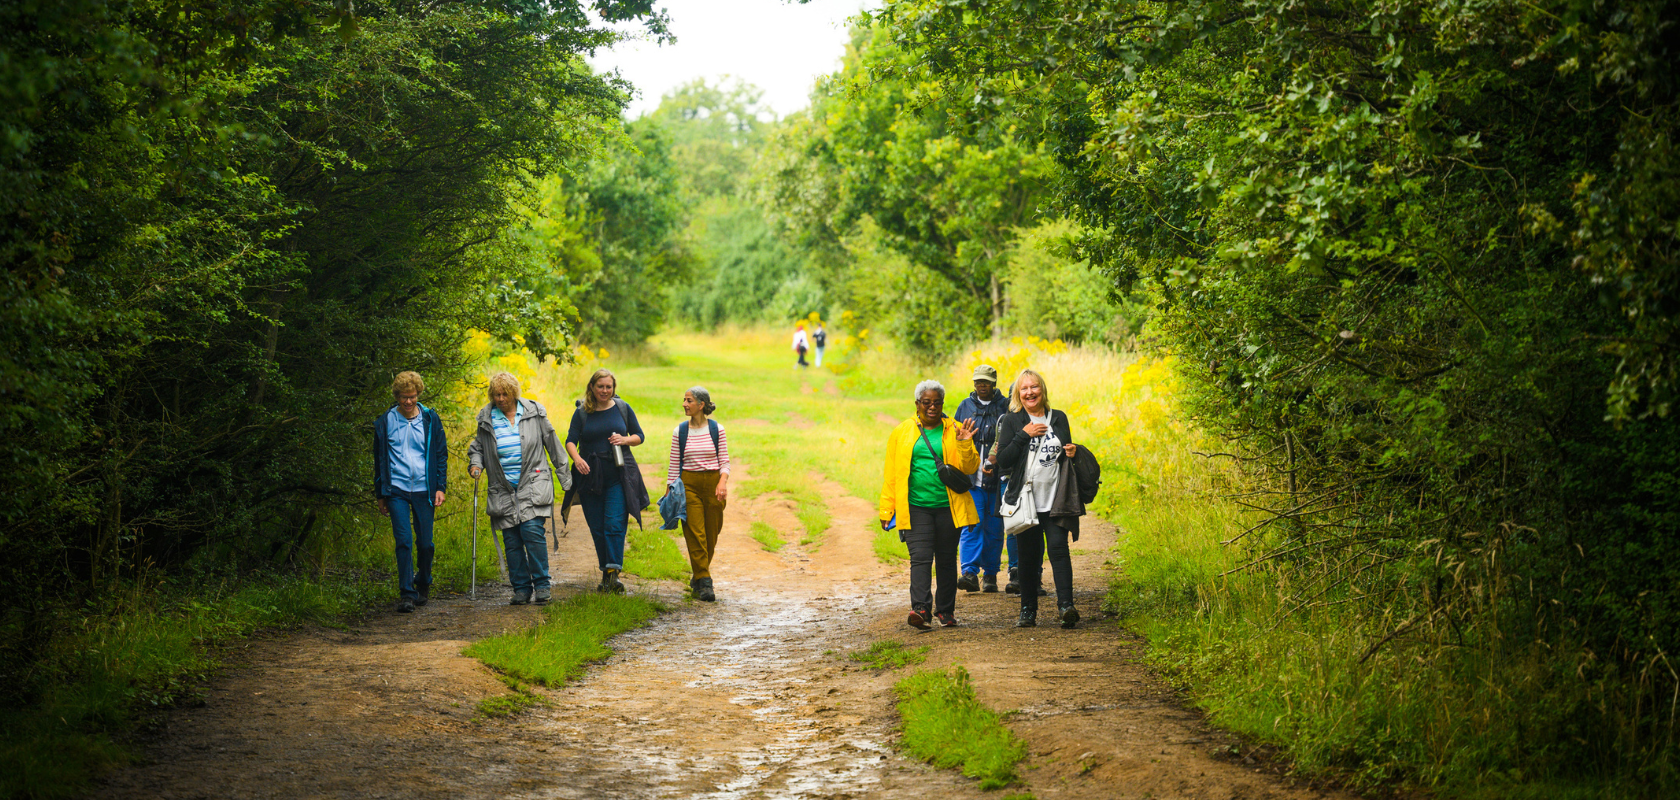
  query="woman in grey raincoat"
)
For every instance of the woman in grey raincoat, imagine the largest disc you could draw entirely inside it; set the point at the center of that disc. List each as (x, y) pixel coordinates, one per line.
(512, 435)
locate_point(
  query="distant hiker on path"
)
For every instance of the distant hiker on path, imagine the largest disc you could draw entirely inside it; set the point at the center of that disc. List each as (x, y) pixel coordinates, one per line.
(410, 472)
(819, 337)
(800, 343)
(700, 461)
(521, 491)
(608, 484)
(924, 507)
(1031, 441)
(982, 543)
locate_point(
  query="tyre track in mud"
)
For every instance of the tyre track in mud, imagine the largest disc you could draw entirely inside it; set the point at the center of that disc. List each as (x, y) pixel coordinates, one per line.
(749, 697)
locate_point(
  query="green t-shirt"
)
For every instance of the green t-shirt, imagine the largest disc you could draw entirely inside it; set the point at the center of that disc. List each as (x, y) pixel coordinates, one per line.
(925, 489)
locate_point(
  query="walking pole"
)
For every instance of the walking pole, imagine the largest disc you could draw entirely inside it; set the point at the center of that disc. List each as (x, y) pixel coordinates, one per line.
(474, 594)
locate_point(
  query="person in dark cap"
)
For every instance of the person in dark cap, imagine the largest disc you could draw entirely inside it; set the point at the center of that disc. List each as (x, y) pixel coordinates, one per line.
(981, 544)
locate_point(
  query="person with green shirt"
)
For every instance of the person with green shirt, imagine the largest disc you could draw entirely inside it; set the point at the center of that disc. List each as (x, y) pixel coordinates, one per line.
(927, 514)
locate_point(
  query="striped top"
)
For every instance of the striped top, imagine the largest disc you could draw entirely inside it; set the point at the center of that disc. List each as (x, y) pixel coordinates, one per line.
(699, 456)
(508, 449)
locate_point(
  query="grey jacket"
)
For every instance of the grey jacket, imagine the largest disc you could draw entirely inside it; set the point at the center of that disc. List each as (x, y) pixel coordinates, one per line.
(510, 505)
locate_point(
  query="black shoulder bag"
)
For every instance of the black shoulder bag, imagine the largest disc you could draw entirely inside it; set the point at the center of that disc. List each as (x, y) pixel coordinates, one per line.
(954, 479)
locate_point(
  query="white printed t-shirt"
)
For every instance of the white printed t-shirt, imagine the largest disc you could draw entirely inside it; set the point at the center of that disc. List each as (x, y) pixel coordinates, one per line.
(1042, 466)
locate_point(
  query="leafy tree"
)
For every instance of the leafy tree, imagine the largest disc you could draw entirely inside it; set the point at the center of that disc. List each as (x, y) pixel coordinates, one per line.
(633, 196)
(948, 190)
(226, 227)
(749, 273)
(1391, 241)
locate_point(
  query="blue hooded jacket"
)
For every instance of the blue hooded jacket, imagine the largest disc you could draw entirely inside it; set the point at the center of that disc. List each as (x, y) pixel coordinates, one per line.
(437, 454)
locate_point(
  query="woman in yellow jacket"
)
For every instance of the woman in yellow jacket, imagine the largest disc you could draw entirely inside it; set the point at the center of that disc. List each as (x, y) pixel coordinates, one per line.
(912, 496)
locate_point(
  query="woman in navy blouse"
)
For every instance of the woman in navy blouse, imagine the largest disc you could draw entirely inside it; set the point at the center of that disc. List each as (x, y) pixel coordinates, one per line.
(608, 490)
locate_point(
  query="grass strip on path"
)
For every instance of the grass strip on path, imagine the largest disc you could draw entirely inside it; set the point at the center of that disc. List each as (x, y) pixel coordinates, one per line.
(944, 725)
(767, 536)
(573, 633)
(889, 654)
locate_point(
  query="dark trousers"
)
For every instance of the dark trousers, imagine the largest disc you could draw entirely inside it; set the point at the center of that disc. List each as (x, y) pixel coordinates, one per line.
(932, 542)
(1046, 535)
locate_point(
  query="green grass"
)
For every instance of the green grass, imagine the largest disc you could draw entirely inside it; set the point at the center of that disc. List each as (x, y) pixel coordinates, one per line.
(809, 506)
(767, 536)
(105, 671)
(886, 544)
(944, 725)
(572, 634)
(654, 554)
(518, 700)
(889, 654)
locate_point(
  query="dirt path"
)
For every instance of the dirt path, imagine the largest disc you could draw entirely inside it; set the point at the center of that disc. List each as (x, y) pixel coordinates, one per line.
(749, 697)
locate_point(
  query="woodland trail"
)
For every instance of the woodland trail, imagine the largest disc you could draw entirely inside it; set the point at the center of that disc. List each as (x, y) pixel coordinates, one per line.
(750, 697)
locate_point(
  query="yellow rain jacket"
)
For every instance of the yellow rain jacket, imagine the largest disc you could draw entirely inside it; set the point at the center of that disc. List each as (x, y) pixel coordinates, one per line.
(895, 488)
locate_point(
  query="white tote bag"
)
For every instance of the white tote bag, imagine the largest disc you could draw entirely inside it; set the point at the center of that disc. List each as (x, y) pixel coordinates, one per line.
(1022, 515)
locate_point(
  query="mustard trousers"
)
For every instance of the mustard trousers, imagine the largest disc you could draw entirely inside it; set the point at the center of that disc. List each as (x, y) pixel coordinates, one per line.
(705, 519)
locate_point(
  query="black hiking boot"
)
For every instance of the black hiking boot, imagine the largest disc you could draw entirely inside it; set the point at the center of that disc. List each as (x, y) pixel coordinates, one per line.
(405, 606)
(425, 592)
(612, 583)
(703, 591)
(520, 597)
(968, 582)
(1029, 619)
(1070, 616)
(988, 584)
(1014, 585)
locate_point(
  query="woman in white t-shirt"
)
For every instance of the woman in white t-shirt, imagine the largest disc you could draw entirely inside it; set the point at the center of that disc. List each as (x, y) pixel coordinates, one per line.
(1032, 438)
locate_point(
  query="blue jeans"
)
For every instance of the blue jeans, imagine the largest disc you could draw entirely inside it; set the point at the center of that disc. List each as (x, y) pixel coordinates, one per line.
(607, 523)
(982, 544)
(1014, 551)
(527, 554)
(411, 519)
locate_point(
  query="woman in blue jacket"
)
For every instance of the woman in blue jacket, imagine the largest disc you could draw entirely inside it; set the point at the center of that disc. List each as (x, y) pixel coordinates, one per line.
(410, 472)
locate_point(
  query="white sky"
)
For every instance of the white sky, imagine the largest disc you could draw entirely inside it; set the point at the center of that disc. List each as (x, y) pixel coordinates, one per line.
(777, 45)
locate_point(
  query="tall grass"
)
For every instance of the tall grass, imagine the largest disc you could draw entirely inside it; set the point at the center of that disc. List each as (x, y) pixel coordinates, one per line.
(147, 646)
(1459, 708)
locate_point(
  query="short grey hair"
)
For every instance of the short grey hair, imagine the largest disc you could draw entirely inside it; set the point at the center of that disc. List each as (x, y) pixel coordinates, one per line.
(929, 386)
(704, 398)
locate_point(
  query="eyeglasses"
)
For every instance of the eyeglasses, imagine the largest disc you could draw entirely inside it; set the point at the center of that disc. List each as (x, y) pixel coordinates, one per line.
(931, 403)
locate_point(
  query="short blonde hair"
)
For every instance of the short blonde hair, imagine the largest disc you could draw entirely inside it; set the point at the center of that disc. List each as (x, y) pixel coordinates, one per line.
(1015, 390)
(504, 381)
(407, 382)
(589, 389)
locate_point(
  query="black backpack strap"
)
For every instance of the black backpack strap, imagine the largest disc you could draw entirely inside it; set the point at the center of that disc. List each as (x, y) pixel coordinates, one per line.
(717, 448)
(682, 443)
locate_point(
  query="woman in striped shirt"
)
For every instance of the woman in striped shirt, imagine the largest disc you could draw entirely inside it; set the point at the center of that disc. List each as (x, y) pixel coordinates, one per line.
(700, 458)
